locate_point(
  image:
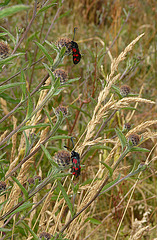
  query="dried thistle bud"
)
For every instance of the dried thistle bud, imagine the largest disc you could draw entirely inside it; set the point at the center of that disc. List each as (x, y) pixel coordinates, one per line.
(2, 186)
(62, 158)
(125, 90)
(62, 74)
(45, 236)
(37, 178)
(4, 50)
(127, 126)
(62, 109)
(134, 139)
(31, 181)
(64, 42)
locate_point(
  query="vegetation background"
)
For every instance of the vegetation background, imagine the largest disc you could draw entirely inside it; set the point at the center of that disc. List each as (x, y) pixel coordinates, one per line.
(32, 132)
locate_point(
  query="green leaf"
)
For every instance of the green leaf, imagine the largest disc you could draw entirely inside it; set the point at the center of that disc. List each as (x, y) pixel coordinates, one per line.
(72, 80)
(35, 237)
(8, 59)
(23, 87)
(121, 137)
(66, 197)
(22, 208)
(50, 73)
(108, 186)
(59, 137)
(8, 98)
(9, 34)
(4, 3)
(49, 156)
(109, 168)
(30, 106)
(43, 9)
(79, 109)
(93, 220)
(138, 149)
(45, 52)
(6, 12)
(41, 125)
(10, 85)
(62, 52)
(53, 46)
(49, 118)
(27, 144)
(21, 187)
(5, 230)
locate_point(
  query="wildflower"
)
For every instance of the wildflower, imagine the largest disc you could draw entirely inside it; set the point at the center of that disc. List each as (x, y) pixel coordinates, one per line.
(62, 74)
(125, 90)
(127, 126)
(31, 181)
(2, 186)
(62, 109)
(4, 50)
(62, 158)
(64, 42)
(37, 178)
(134, 139)
(45, 236)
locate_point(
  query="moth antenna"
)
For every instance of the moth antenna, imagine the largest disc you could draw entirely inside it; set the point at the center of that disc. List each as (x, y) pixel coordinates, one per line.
(74, 32)
(72, 142)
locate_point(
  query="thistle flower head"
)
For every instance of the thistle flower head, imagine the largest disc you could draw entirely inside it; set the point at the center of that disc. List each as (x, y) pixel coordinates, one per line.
(2, 186)
(64, 42)
(62, 109)
(62, 158)
(31, 181)
(127, 126)
(134, 139)
(125, 90)
(62, 74)
(45, 236)
(4, 50)
(37, 178)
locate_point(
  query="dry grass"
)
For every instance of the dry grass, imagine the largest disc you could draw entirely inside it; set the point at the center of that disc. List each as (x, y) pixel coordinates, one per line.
(118, 210)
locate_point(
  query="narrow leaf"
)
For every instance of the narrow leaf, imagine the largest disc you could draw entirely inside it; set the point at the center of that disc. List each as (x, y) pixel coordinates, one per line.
(138, 149)
(21, 187)
(109, 185)
(121, 137)
(30, 106)
(35, 237)
(49, 156)
(43, 9)
(27, 143)
(45, 52)
(48, 116)
(9, 34)
(9, 59)
(66, 197)
(6, 12)
(10, 85)
(53, 46)
(23, 87)
(109, 168)
(93, 220)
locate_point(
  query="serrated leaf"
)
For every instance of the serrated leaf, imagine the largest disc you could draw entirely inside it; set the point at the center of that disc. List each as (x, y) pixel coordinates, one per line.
(93, 220)
(49, 156)
(121, 137)
(108, 168)
(35, 237)
(45, 52)
(6, 12)
(138, 149)
(66, 197)
(21, 187)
